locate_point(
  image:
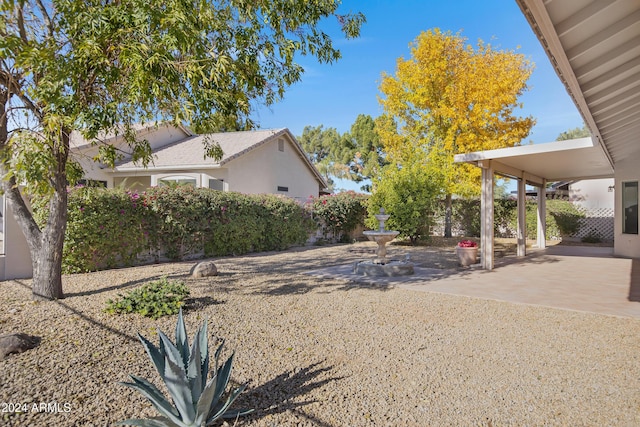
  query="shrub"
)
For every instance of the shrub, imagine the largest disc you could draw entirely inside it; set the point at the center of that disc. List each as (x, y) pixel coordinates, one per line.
(155, 299)
(339, 214)
(562, 217)
(592, 237)
(105, 228)
(409, 196)
(112, 227)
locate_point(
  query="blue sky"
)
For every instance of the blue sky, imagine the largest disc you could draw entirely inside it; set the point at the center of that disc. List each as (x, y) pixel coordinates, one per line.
(333, 95)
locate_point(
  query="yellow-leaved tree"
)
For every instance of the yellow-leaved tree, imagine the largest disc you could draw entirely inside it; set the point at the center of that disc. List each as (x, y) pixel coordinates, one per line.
(450, 98)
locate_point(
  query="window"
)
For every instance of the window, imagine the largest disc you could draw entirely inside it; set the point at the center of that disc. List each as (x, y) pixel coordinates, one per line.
(216, 184)
(177, 180)
(630, 207)
(281, 145)
(285, 189)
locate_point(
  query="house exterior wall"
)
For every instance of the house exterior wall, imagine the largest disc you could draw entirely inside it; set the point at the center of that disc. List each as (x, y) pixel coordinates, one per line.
(266, 168)
(15, 262)
(626, 245)
(593, 193)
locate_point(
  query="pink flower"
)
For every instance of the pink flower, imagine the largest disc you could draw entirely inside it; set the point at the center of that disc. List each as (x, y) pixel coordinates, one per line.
(467, 244)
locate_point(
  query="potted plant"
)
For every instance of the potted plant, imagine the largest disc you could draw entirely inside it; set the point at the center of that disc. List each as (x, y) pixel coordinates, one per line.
(467, 251)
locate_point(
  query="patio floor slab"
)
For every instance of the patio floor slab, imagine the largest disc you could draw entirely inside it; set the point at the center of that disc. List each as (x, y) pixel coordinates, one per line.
(578, 278)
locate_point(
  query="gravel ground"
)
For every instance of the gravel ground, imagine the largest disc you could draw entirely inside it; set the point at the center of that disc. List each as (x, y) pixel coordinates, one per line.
(327, 352)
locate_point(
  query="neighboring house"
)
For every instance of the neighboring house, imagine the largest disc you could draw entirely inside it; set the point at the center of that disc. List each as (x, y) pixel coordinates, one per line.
(596, 198)
(593, 46)
(253, 162)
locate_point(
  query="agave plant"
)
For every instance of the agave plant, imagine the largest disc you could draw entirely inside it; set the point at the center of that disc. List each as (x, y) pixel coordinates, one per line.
(184, 370)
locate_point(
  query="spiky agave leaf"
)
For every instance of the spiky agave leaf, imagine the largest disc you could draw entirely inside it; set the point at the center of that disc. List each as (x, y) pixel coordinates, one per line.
(150, 422)
(155, 396)
(182, 340)
(175, 378)
(156, 354)
(194, 374)
(203, 338)
(223, 408)
(222, 379)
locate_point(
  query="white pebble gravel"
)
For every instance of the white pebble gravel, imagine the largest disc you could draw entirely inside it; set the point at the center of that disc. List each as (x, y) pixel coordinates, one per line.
(322, 352)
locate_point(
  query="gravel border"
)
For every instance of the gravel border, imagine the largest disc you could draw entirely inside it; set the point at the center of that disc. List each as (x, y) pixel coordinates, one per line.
(326, 352)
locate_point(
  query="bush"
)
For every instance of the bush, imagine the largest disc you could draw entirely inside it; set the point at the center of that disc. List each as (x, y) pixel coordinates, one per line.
(466, 216)
(339, 214)
(409, 196)
(155, 299)
(105, 228)
(562, 217)
(112, 227)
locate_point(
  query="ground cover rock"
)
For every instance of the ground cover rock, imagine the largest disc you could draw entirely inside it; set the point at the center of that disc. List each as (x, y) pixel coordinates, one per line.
(16, 343)
(204, 269)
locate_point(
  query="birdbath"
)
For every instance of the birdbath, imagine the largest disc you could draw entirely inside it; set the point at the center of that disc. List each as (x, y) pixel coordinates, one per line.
(381, 237)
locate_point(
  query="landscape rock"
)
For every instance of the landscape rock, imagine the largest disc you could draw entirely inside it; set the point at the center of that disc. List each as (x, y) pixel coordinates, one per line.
(204, 269)
(16, 343)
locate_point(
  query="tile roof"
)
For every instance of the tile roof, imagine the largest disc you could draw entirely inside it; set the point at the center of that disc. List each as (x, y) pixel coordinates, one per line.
(191, 151)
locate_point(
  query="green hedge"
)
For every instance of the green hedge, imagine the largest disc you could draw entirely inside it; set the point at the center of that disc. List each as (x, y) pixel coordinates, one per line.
(112, 227)
(337, 215)
(563, 218)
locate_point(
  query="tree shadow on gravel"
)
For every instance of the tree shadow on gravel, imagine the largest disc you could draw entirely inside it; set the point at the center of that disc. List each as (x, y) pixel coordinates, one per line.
(126, 285)
(279, 394)
(196, 303)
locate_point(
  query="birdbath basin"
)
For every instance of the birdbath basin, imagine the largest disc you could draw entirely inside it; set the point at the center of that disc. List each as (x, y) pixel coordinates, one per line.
(380, 266)
(381, 238)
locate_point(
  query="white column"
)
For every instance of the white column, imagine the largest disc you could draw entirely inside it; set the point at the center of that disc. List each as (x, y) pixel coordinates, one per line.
(542, 215)
(486, 226)
(522, 220)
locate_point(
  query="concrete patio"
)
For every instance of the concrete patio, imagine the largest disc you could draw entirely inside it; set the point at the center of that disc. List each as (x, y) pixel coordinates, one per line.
(578, 278)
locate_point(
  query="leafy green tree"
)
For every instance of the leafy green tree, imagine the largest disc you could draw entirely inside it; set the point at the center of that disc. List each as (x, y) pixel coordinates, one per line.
(450, 98)
(355, 155)
(323, 147)
(409, 193)
(574, 133)
(98, 67)
(363, 151)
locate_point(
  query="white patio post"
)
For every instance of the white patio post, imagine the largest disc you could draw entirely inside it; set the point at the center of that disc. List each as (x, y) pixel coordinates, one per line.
(486, 217)
(542, 215)
(522, 220)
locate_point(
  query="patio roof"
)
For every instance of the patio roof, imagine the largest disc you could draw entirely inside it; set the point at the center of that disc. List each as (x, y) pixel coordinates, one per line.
(553, 161)
(595, 48)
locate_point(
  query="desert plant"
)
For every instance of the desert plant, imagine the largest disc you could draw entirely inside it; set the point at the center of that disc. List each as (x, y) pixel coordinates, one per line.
(154, 299)
(184, 370)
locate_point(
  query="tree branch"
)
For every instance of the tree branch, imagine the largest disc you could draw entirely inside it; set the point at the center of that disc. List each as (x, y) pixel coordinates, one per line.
(46, 17)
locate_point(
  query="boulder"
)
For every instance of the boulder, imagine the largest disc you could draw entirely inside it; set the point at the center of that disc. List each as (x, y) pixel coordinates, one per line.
(16, 343)
(204, 269)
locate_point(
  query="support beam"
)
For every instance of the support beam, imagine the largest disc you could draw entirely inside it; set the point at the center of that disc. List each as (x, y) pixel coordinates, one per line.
(542, 216)
(486, 226)
(522, 220)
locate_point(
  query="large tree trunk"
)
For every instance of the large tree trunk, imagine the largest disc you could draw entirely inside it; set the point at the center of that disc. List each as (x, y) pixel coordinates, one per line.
(447, 216)
(45, 246)
(47, 260)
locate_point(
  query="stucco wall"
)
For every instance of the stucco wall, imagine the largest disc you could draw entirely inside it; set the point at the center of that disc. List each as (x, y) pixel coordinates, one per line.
(593, 193)
(627, 245)
(15, 263)
(266, 168)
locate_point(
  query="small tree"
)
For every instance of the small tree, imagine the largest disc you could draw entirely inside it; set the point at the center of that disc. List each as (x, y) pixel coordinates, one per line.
(98, 67)
(408, 194)
(450, 98)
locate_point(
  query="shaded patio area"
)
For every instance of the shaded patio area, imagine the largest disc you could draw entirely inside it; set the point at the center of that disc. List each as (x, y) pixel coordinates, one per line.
(578, 278)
